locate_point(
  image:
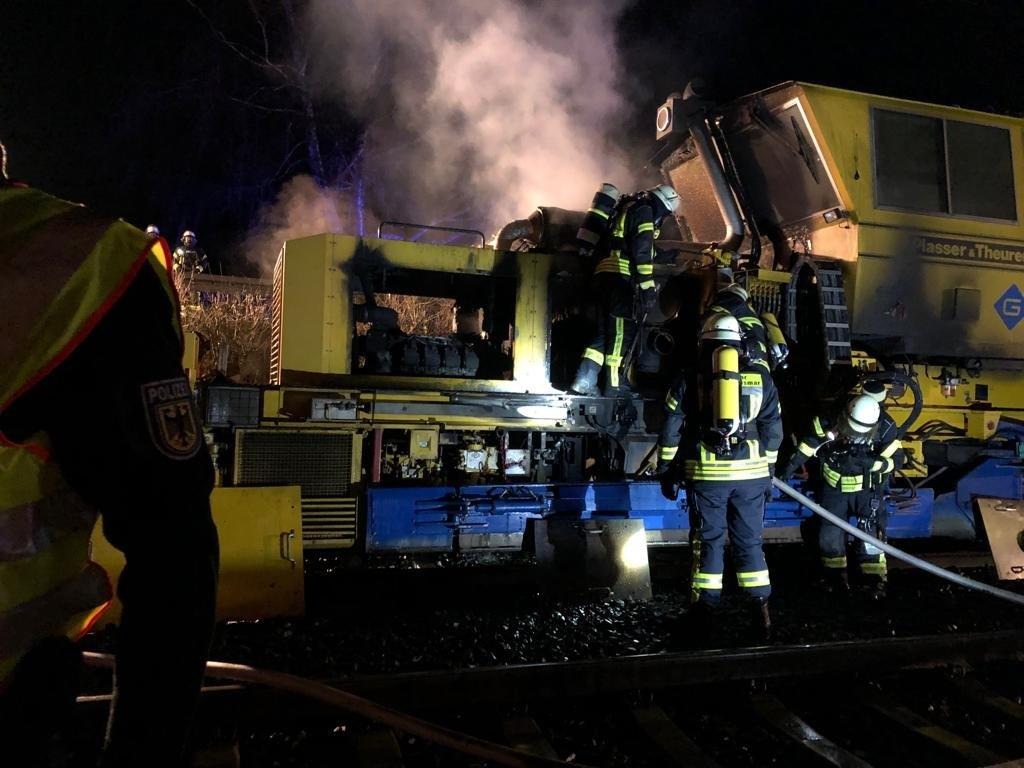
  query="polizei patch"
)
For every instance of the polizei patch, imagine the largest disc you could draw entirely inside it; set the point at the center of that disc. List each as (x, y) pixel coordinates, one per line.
(171, 415)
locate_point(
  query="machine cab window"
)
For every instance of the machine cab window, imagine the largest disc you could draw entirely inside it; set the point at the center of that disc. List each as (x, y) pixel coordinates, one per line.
(949, 167)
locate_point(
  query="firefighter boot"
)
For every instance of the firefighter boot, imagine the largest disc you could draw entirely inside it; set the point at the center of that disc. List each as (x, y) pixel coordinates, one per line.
(761, 622)
(835, 582)
(585, 383)
(874, 587)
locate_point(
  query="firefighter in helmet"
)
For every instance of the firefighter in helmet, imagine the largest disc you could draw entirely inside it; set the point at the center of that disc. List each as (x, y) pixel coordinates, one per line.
(78, 290)
(857, 454)
(721, 435)
(762, 334)
(189, 256)
(620, 233)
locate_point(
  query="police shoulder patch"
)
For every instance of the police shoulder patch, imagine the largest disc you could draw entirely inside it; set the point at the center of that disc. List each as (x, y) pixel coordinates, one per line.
(171, 417)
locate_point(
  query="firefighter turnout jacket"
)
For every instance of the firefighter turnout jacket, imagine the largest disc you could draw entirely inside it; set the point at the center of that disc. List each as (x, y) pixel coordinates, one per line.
(847, 465)
(731, 302)
(630, 244)
(752, 450)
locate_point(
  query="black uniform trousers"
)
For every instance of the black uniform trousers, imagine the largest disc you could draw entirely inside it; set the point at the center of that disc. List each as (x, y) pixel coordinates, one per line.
(868, 506)
(615, 331)
(155, 508)
(736, 507)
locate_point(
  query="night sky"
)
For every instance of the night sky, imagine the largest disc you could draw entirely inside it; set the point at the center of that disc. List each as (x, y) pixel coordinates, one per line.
(139, 109)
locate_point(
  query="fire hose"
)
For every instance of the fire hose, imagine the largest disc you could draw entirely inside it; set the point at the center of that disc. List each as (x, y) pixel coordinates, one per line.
(371, 710)
(867, 538)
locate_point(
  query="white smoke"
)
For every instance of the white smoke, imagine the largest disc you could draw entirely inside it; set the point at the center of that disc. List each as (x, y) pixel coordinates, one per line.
(302, 208)
(476, 111)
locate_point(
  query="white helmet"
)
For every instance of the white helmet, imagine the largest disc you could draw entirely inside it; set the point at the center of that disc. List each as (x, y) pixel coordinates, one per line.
(738, 289)
(153, 231)
(721, 327)
(666, 196)
(862, 414)
(188, 233)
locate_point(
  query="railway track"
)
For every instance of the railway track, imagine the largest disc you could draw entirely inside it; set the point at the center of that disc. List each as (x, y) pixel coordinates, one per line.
(946, 700)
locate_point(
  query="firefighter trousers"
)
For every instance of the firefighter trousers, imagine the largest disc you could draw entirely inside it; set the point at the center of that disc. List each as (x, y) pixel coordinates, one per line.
(615, 332)
(868, 507)
(736, 507)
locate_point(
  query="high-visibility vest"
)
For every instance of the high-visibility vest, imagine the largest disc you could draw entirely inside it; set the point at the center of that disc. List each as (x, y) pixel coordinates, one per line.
(61, 270)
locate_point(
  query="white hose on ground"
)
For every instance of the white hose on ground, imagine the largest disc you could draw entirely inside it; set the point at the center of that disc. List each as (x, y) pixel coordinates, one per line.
(498, 754)
(899, 554)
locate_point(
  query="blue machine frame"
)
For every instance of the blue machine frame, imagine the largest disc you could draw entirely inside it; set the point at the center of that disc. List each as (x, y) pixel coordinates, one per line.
(428, 518)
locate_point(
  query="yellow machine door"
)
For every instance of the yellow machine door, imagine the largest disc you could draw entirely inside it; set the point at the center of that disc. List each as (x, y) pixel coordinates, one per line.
(261, 571)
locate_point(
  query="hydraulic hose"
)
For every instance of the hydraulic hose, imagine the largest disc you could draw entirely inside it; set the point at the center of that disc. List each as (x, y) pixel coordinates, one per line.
(334, 697)
(890, 377)
(899, 554)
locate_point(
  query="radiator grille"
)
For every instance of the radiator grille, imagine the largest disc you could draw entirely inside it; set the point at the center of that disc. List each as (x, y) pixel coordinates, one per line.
(328, 523)
(320, 461)
(276, 317)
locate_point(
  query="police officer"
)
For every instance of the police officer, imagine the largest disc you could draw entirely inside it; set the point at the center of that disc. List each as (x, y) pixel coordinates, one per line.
(96, 416)
(857, 455)
(725, 420)
(189, 256)
(625, 253)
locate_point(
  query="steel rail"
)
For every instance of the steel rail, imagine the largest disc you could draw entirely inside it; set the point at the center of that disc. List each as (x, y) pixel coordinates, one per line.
(532, 682)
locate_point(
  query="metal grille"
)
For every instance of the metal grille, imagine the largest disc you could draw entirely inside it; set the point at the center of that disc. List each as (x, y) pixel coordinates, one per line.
(276, 319)
(834, 313)
(766, 296)
(831, 313)
(319, 461)
(328, 523)
(232, 406)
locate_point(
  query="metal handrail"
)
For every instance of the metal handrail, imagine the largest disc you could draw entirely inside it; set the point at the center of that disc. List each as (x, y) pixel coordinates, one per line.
(477, 232)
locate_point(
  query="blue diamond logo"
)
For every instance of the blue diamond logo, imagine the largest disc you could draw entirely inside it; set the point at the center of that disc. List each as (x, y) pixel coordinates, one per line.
(1010, 307)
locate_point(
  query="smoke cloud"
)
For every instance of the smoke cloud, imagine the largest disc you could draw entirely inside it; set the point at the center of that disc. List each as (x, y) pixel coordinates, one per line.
(475, 112)
(302, 208)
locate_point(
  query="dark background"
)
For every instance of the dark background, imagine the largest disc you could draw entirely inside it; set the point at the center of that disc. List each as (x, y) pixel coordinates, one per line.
(141, 111)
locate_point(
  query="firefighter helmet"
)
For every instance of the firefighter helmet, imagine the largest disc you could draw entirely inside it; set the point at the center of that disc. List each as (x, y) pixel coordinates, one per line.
(862, 414)
(721, 327)
(667, 196)
(738, 289)
(188, 233)
(153, 231)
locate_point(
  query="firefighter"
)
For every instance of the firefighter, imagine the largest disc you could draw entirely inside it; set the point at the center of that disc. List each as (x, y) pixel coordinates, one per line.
(189, 255)
(625, 261)
(97, 418)
(727, 418)
(761, 332)
(856, 455)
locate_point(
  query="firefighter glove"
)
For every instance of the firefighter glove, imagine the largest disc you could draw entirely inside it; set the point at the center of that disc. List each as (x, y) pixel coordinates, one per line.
(669, 486)
(648, 297)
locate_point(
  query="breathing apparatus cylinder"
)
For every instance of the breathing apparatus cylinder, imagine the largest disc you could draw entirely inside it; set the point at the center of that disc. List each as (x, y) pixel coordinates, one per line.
(596, 222)
(777, 347)
(725, 394)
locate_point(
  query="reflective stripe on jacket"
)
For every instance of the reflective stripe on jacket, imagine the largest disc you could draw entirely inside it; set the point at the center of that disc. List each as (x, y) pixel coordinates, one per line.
(61, 270)
(631, 245)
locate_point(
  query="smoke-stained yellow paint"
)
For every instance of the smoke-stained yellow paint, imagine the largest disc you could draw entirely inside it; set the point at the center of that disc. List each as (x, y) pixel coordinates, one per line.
(317, 326)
